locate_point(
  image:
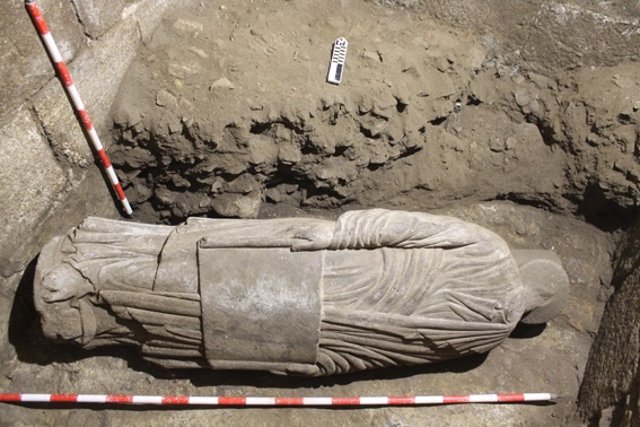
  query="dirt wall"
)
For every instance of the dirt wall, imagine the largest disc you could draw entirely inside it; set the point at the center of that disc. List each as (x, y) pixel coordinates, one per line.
(549, 35)
(221, 120)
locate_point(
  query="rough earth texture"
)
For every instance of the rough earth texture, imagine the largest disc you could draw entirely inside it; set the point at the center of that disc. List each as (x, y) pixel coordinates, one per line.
(546, 34)
(217, 119)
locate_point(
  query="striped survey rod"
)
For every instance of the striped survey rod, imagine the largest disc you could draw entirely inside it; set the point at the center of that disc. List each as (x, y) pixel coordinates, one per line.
(72, 92)
(248, 401)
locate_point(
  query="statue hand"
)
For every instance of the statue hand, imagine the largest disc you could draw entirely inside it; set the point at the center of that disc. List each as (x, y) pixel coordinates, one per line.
(313, 238)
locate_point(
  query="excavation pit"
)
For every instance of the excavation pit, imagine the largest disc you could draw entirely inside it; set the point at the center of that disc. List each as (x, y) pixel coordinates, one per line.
(225, 113)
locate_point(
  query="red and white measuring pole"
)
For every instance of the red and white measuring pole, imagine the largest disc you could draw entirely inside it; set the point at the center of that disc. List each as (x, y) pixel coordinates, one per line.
(83, 117)
(129, 399)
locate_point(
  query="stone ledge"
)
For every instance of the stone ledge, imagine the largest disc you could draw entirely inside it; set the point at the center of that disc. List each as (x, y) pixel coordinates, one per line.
(25, 66)
(31, 183)
(98, 16)
(97, 72)
(42, 199)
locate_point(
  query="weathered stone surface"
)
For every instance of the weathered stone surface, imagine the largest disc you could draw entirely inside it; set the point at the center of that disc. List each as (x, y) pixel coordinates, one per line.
(25, 66)
(7, 297)
(96, 16)
(612, 371)
(563, 344)
(97, 73)
(85, 196)
(31, 182)
(33, 191)
(34, 363)
(376, 288)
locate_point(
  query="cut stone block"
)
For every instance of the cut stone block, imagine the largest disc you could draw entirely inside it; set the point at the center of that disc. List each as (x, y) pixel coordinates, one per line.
(31, 182)
(97, 74)
(612, 374)
(25, 66)
(97, 16)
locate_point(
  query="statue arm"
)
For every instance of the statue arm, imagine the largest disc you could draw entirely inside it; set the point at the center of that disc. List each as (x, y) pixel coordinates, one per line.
(362, 229)
(375, 228)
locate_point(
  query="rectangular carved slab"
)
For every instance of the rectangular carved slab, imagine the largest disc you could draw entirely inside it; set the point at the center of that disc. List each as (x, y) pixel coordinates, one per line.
(260, 306)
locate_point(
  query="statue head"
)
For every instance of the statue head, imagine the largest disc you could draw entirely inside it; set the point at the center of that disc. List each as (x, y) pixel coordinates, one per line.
(546, 284)
(63, 283)
(60, 292)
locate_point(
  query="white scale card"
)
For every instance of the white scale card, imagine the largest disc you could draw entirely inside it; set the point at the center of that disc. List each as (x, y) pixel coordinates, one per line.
(338, 58)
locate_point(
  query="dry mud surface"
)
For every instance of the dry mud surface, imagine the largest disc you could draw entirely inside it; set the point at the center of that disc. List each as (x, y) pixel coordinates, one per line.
(226, 112)
(224, 119)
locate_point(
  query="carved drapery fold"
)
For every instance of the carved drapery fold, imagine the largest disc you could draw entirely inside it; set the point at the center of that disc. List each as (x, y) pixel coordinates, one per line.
(393, 288)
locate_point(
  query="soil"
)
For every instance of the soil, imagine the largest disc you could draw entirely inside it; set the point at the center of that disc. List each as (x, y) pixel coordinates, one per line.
(222, 119)
(226, 113)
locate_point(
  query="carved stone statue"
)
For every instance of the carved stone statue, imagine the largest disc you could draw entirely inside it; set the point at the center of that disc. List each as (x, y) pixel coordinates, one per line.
(375, 288)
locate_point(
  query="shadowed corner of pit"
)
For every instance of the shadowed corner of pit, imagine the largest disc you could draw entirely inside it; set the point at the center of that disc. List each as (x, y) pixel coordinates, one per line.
(524, 331)
(25, 333)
